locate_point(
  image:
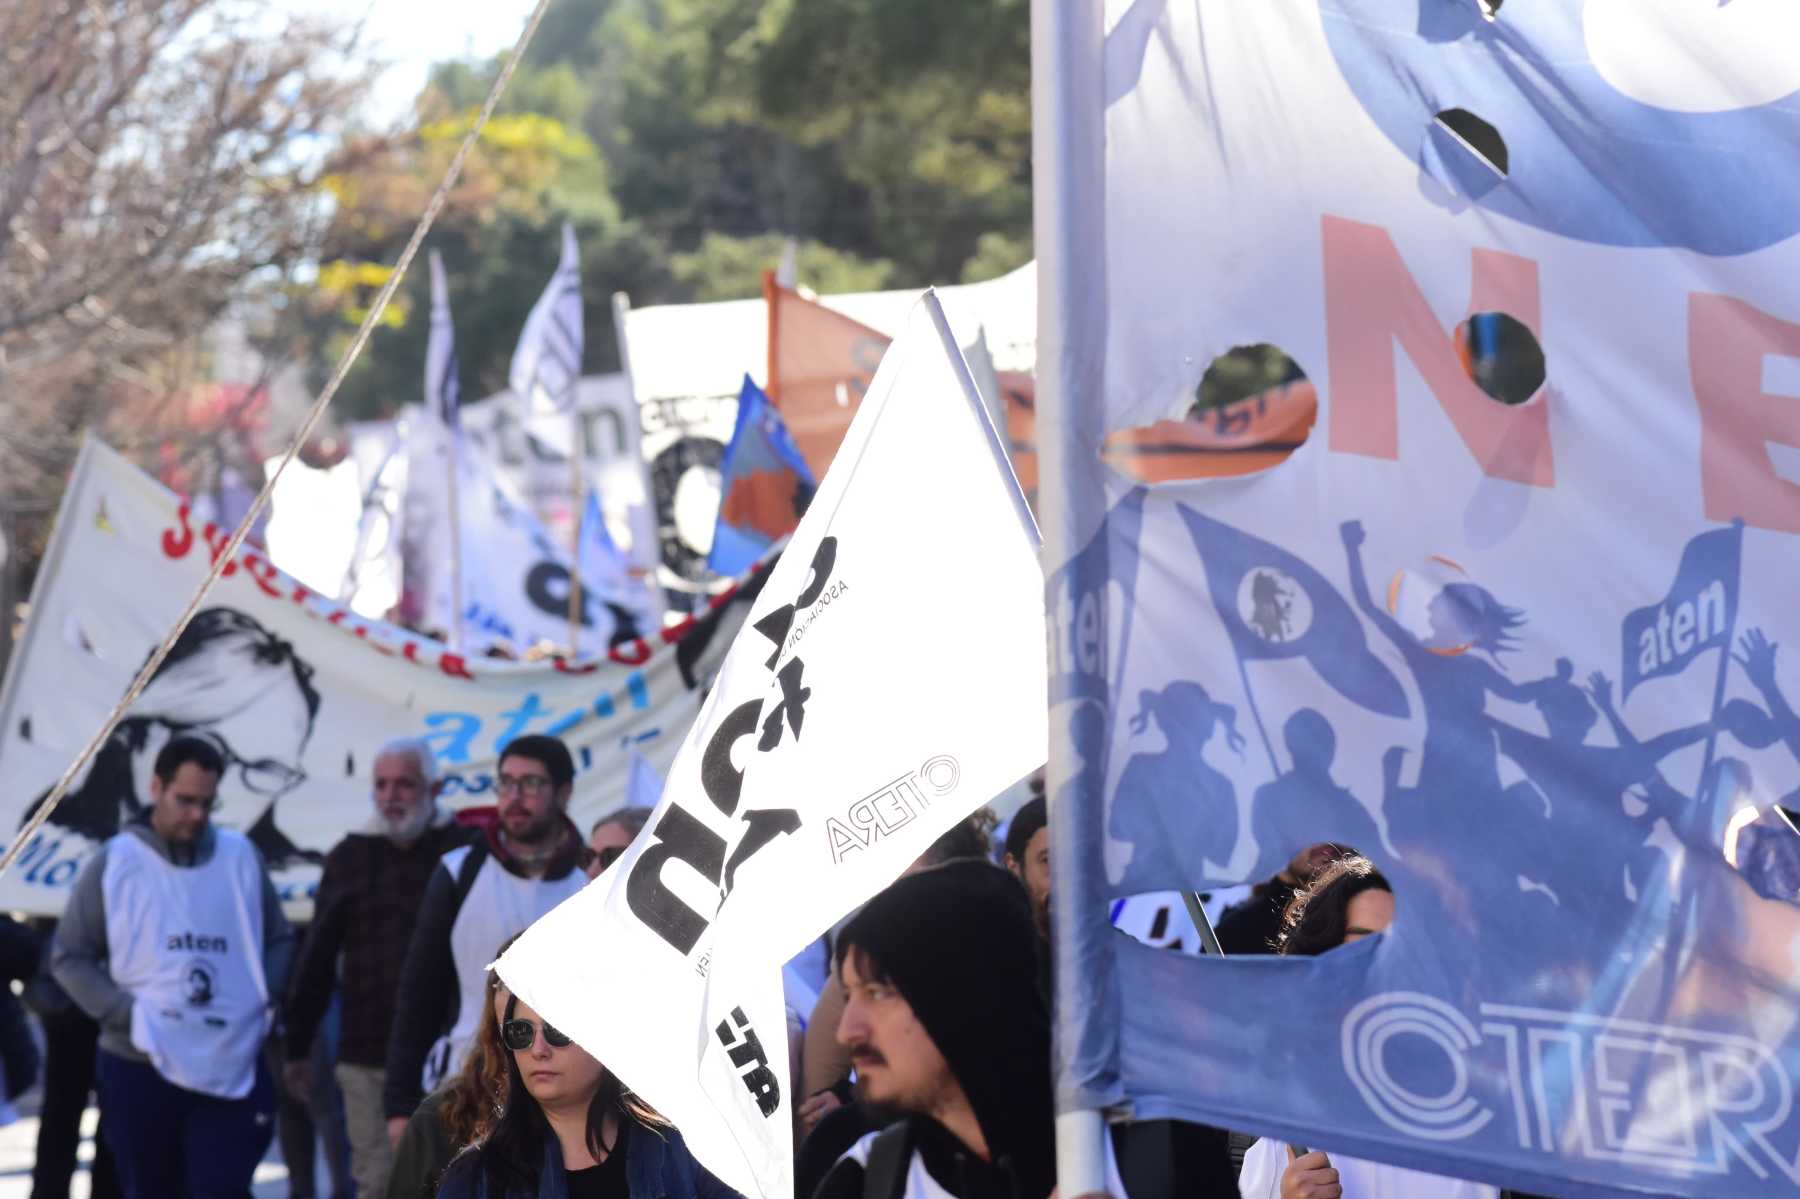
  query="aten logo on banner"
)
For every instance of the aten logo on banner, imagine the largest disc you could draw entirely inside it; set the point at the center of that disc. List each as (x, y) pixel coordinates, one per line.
(891, 808)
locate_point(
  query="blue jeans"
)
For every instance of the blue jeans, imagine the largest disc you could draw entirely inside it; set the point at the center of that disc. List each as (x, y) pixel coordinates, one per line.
(169, 1141)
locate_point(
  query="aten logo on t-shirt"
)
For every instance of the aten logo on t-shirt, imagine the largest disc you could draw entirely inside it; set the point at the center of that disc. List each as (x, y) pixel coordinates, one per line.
(197, 943)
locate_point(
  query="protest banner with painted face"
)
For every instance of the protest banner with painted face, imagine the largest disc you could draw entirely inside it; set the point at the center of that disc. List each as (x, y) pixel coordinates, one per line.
(297, 691)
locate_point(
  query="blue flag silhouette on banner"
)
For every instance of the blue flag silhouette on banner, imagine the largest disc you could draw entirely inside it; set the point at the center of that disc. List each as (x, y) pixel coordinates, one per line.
(1276, 606)
(764, 486)
(1697, 615)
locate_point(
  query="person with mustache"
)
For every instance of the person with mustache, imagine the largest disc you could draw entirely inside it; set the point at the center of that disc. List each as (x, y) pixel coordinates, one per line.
(368, 900)
(947, 1027)
(528, 862)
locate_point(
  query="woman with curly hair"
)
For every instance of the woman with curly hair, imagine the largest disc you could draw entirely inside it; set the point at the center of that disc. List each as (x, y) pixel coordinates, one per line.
(459, 1113)
(563, 1127)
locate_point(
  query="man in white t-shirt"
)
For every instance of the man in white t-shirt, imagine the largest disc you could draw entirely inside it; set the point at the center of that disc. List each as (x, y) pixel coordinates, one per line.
(480, 896)
(174, 941)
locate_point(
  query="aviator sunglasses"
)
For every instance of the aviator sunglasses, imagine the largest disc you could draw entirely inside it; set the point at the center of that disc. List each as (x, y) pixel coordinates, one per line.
(519, 1033)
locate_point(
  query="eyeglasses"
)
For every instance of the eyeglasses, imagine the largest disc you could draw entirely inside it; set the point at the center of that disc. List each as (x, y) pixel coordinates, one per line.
(520, 1033)
(529, 786)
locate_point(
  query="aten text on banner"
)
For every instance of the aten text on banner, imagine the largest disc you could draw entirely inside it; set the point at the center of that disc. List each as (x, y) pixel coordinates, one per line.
(889, 681)
(298, 692)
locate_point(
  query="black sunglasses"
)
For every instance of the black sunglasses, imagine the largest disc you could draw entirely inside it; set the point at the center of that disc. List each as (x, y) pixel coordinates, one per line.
(517, 1033)
(520, 1033)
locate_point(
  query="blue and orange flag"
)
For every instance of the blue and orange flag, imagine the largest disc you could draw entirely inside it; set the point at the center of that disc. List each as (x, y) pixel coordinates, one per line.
(764, 485)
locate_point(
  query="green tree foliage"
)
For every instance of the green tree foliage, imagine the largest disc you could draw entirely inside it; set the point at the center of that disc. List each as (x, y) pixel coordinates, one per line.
(687, 140)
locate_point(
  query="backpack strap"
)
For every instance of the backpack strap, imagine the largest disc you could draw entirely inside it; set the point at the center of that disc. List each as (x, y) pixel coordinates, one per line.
(890, 1158)
(471, 866)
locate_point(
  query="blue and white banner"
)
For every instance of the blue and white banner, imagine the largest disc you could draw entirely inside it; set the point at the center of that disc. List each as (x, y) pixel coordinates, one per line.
(1539, 660)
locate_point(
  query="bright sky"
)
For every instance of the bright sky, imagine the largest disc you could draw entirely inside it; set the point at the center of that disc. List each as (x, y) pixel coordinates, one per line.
(413, 34)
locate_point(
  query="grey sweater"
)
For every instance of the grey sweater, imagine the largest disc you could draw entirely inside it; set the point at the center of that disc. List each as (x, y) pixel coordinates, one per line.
(78, 958)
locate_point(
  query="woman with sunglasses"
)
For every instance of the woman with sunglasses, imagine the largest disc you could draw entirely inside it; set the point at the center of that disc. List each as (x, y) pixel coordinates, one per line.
(568, 1129)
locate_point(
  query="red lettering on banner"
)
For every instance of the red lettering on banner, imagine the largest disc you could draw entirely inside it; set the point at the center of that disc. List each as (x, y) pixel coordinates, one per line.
(639, 652)
(454, 666)
(564, 666)
(300, 593)
(1728, 341)
(263, 573)
(336, 617)
(178, 541)
(410, 651)
(1372, 301)
(215, 545)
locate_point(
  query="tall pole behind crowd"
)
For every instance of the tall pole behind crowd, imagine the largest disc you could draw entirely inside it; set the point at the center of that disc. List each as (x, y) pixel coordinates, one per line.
(443, 396)
(454, 459)
(578, 510)
(1068, 196)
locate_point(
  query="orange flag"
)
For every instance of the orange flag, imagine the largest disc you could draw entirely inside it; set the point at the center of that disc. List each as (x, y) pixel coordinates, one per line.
(820, 363)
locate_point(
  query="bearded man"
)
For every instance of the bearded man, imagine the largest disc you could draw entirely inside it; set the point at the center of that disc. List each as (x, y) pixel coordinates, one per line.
(367, 906)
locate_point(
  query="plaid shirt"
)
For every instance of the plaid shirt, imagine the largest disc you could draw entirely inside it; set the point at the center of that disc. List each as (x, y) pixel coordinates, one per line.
(367, 904)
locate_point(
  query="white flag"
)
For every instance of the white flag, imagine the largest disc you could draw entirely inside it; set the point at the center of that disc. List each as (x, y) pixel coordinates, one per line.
(443, 390)
(890, 680)
(643, 785)
(609, 584)
(515, 587)
(547, 362)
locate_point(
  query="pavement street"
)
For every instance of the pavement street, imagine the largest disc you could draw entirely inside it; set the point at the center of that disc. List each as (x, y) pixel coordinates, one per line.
(18, 1143)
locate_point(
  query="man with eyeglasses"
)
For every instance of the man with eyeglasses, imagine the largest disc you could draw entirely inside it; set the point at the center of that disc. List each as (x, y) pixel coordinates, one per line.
(480, 895)
(364, 912)
(174, 941)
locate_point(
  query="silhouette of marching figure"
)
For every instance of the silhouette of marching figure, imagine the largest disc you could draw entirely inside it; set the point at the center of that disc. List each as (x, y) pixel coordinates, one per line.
(1194, 812)
(1758, 661)
(1460, 764)
(1289, 813)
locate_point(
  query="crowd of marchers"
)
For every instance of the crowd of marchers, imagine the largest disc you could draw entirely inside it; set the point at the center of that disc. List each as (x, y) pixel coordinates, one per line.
(919, 1027)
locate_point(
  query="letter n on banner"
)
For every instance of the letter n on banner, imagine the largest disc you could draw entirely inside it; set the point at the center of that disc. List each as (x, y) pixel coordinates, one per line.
(1372, 301)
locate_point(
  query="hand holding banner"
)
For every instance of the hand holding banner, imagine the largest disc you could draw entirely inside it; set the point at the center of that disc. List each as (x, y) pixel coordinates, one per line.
(892, 680)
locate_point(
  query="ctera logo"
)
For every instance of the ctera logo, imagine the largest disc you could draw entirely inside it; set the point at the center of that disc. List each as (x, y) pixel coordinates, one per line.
(891, 808)
(1659, 1097)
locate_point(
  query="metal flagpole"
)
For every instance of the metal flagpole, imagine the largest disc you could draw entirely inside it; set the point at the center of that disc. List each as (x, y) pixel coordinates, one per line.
(454, 458)
(579, 509)
(1068, 201)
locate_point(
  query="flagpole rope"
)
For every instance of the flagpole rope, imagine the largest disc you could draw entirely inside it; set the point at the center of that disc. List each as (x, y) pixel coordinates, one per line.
(229, 554)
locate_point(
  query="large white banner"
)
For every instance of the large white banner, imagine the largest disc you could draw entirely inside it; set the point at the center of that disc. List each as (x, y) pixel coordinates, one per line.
(890, 680)
(297, 689)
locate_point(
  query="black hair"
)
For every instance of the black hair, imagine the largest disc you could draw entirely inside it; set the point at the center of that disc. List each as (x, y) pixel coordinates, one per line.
(632, 819)
(512, 1153)
(185, 750)
(548, 752)
(1026, 822)
(968, 838)
(210, 624)
(1318, 916)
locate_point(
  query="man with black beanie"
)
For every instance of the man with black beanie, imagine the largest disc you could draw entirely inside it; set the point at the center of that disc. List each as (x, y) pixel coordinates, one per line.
(946, 1025)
